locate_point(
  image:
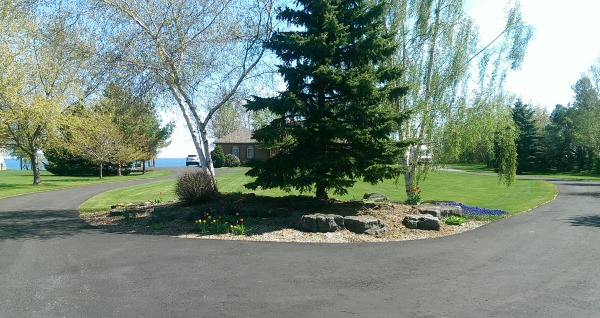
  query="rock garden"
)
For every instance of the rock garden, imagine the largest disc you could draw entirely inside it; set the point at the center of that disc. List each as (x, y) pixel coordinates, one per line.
(287, 219)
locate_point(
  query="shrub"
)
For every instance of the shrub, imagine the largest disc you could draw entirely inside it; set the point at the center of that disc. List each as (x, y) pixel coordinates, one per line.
(231, 160)
(195, 187)
(218, 157)
(455, 220)
(62, 163)
(250, 163)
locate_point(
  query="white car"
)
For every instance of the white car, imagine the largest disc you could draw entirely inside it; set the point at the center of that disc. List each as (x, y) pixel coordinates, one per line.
(192, 160)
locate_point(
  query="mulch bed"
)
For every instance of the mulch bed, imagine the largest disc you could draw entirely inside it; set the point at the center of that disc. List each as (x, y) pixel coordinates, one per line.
(270, 219)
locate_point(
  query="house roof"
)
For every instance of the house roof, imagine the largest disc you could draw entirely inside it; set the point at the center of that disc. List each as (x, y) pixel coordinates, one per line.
(240, 136)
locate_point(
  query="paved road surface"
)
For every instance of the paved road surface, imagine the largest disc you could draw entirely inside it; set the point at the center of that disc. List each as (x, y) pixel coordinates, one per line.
(543, 263)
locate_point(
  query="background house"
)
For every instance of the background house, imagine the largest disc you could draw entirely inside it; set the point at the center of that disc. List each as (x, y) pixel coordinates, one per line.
(240, 144)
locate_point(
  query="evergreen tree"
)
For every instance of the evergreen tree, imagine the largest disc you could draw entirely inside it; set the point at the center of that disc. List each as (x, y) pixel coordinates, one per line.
(218, 157)
(333, 123)
(559, 141)
(528, 151)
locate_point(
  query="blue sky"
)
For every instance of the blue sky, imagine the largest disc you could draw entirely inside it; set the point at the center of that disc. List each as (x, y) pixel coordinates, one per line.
(563, 47)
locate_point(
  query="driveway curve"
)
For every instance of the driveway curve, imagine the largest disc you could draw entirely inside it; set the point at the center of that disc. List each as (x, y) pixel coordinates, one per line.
(542, 263)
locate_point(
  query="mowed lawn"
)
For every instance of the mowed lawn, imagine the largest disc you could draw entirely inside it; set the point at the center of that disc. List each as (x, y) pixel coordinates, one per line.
(476, 190)
(15, 182)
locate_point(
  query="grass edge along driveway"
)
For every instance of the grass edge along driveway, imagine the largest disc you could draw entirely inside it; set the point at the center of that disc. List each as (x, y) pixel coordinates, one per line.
(476, 190)
(17, 182)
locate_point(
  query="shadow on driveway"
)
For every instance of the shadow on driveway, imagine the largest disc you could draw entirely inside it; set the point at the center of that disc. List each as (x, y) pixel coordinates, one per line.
(43, 224)
(593, 194)
(585, 220)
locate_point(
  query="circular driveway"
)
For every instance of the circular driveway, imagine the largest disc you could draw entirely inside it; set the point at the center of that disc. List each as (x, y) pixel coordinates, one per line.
(542, 263)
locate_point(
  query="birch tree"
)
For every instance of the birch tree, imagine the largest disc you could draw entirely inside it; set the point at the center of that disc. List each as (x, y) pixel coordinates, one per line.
(198, 53)
(439, 50)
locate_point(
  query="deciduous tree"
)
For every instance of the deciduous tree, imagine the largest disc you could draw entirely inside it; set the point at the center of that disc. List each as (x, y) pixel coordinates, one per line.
(197, 52)
(452, 76)
(44, 57)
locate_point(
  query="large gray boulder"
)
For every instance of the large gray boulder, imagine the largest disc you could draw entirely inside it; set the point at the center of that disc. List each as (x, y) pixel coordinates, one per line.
(321, 223)
(422, 222)
(439, 211)
(364, 224)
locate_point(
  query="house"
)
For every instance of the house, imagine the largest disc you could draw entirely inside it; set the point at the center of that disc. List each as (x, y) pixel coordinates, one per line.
(240, 144)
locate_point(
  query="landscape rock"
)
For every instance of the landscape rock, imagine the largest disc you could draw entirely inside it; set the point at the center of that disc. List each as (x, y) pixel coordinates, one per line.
(374, 197)
(364, 224)
(422, 222)
(131, 209)
(322, 223)
(440, 211)
(115, 212)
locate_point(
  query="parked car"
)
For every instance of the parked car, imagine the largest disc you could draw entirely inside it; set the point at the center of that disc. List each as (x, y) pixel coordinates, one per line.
(192, 160)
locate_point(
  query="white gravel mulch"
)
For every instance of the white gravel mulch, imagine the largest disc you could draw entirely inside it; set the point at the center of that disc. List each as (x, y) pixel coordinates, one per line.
(283, 229)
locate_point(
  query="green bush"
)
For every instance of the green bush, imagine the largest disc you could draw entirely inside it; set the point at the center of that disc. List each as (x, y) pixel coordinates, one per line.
(195, 187)
(231, 160)
(218, 157)
(455, 220)
(63, 163)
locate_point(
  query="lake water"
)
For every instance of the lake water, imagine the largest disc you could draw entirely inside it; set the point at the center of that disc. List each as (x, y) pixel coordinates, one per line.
(170, 162)
(13, 164)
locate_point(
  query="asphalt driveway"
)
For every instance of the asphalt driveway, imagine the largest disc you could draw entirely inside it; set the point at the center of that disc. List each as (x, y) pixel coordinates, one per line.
(543, 263)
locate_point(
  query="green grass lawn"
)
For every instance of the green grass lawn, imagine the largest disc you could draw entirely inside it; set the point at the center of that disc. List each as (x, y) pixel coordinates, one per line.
(160, 191)
(15, 182)
(476, 190)
(478, 167)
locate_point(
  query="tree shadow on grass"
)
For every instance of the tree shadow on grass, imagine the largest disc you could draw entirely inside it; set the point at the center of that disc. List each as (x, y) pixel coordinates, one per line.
(45, 224)
(585, 220)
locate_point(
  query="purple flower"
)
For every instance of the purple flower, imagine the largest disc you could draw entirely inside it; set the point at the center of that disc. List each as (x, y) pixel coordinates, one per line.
(473, 210)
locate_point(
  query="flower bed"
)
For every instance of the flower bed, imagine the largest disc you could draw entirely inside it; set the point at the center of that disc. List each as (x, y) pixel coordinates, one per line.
(475, 211)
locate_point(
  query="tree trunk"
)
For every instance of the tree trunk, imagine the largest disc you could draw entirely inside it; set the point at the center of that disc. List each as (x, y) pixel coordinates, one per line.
(35, 167)
(101, 166)
(409, 181)
(322, 192)
(144, 167)
(119, 170)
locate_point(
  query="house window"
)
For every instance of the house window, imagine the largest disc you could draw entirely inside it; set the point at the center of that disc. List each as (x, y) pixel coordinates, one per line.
(250, 152)
(235, 151)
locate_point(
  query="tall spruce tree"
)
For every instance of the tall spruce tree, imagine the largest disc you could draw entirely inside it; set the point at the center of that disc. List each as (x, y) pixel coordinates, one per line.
(528, 148)
(333, 123)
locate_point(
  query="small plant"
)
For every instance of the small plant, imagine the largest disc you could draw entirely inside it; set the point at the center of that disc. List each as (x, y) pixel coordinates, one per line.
(414, 196)
(160, 198)
(156, 226)
(221, 225)
(239, 228)
(455, 220)
(128, 214)
(194, 187)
